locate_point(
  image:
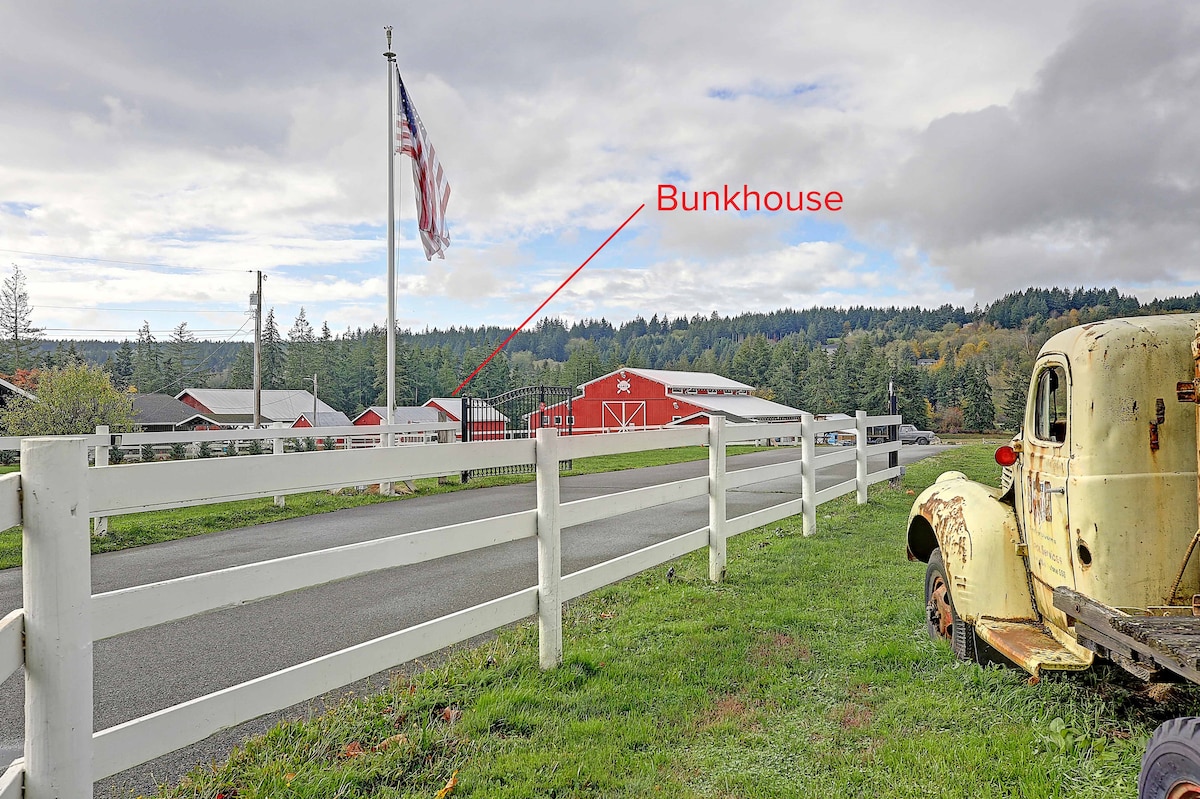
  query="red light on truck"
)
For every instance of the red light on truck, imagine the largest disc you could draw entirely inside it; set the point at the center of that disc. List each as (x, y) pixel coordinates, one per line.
(1006, 456)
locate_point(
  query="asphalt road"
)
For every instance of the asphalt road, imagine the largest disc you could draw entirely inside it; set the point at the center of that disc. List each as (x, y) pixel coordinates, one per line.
(151, 669)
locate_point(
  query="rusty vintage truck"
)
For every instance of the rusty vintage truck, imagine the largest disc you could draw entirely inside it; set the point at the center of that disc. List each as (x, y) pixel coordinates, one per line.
(1087, 548)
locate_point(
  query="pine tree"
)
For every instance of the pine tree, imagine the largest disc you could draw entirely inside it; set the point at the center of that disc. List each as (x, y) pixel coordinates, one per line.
(180, 364)
(122, 366)
(299, 363)
(147, 371)
(16, 328)
(979, 412)
(241, 374)
(271, 354)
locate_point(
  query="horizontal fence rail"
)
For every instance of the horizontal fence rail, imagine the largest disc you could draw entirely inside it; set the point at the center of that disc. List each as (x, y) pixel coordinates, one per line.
(53, 634)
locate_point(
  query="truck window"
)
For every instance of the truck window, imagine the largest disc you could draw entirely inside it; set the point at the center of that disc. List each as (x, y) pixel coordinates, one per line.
(1050, 411)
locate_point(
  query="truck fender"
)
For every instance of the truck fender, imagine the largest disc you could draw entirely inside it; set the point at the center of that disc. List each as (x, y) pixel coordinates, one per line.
(980, 541)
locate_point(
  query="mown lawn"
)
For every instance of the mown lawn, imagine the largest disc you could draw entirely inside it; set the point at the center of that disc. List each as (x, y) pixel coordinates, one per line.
(807, 673)
(138, 529)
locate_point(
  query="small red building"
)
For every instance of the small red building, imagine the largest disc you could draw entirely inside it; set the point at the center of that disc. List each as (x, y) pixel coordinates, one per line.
(634, 399)
(482, 429)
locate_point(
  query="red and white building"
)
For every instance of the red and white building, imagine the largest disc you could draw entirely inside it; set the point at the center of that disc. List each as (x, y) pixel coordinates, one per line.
(634, 399)
(486, 424)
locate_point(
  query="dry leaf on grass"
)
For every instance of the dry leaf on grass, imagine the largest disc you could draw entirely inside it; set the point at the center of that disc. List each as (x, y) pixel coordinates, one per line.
(353, 749)
(394, 740)
(450, 785)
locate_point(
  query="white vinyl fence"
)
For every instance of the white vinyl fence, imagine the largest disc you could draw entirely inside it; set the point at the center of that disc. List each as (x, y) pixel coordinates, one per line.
(55, 493)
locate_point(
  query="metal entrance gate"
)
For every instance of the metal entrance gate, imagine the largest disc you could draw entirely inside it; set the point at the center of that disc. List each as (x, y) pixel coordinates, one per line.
(516, 414)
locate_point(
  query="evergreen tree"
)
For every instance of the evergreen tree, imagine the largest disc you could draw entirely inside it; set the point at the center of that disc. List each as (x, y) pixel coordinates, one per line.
(271, 354)
(122, 366)
(16, 328)
(241, 374)
(147, 372)
(979, 413)
(1013, 410)
(180, 363)
(752, 362)
(300, 363)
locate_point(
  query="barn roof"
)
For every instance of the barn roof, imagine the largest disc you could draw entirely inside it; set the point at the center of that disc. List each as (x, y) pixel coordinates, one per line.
(162, 409)
(676, 379)
(745, 406)
(326, 419)
(277, 405)
(453, 408)
(404, 414)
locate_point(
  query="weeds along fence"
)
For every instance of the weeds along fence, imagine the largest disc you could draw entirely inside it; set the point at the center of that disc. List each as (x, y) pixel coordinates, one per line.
(55, 493)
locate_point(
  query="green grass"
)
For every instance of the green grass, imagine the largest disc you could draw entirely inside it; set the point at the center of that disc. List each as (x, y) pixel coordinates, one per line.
(139, 529)
(807, 673)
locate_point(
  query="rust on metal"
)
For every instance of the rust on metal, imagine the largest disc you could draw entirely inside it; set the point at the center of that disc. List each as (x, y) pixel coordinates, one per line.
(1029, 646)
(946, 516)
(1185, 390)
(939, 609)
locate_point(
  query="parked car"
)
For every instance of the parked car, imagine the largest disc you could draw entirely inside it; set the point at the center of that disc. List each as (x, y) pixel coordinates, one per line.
(909, 434)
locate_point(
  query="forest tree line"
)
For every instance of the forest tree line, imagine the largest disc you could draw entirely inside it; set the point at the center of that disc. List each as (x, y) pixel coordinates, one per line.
(954, 370)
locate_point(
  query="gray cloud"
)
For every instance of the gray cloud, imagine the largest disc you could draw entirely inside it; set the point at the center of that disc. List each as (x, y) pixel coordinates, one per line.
(1088, 176)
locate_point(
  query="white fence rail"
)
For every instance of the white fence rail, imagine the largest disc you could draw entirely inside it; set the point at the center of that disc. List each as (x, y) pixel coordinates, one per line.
(52, 635)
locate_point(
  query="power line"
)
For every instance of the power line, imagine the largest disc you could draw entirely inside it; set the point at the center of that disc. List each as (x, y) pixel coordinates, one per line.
(115, 261)
(140, 310)
(196, 368)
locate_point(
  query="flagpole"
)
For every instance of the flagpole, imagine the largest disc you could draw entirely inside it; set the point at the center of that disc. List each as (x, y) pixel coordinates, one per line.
(391, 271)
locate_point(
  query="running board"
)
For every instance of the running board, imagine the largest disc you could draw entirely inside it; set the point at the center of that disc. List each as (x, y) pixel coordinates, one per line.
(1029, 646)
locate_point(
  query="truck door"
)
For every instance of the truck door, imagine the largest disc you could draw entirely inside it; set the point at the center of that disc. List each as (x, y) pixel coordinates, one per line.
(1047, 471)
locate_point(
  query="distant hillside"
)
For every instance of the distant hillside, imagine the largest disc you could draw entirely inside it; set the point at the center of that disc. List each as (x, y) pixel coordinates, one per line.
(955, 369)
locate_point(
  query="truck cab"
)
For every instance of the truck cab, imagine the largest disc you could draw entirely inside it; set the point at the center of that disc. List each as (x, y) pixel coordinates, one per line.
(1096, 504)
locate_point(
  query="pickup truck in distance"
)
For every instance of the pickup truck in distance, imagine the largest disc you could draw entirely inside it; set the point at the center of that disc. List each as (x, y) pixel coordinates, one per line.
(909, 434)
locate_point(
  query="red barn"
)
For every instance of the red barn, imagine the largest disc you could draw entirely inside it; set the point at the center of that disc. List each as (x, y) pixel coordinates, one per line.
(633, 399)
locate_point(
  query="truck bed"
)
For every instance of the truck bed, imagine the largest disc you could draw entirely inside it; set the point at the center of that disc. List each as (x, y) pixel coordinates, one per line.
(1157, 648)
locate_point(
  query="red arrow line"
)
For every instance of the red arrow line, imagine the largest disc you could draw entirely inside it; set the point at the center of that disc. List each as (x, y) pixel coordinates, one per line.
(496, 351)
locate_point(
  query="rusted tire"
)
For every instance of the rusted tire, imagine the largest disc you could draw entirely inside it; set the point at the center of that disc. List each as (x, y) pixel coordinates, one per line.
(941, 619)
(1171, 765)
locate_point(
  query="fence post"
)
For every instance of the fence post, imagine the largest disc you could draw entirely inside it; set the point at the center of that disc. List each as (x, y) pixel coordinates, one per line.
(277, 449)
(57, 579)
(549, 549)
(716, 499)
(808, 471)
(100, 528)
(860, 455)
(386, 440)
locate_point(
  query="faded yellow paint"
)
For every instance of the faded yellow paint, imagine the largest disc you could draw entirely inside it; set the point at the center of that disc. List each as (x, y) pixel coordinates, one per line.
(1104, 501)
(978, 536)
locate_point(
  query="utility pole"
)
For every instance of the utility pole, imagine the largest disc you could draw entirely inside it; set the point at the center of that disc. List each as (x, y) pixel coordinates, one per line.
(256, 298)
(314, 400)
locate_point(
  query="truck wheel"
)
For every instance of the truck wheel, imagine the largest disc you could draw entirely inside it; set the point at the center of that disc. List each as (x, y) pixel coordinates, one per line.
(1171, 765)
(921, 441)
(942, 620)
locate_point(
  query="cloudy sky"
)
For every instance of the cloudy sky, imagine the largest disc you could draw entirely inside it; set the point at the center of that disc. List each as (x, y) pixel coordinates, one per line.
(155, 154)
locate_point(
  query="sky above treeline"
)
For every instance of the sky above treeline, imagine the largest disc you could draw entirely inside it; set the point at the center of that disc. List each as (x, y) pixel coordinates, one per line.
(156, 154)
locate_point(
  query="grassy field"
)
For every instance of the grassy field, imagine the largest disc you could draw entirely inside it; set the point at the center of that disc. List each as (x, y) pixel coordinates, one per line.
(808, 673)
(138, 529)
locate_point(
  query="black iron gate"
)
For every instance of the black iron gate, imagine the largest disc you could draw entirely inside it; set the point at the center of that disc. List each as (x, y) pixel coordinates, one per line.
(516, 414)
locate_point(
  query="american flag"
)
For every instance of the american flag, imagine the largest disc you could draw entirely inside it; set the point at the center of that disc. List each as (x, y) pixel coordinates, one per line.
(433, 192)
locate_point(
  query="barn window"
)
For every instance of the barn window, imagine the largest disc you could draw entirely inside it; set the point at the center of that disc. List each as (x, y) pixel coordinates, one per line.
(557, 421)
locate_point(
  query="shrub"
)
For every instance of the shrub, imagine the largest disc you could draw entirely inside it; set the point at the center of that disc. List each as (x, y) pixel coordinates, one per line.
(8, 457)
(256, 447)
(205, 450)
(116, 455)
(147, 453)
(178, 451)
